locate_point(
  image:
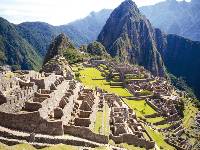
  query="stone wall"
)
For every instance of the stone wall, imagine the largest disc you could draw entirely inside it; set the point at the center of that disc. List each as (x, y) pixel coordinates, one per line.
(152, 105)
(6, 85)
(46, 82)
(17, 98)
(31, 122)
(85, 133)
(169, 119)
(2, 99)
(132, 140)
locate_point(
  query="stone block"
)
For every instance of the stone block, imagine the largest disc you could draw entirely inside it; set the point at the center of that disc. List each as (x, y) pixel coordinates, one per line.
(58, 113)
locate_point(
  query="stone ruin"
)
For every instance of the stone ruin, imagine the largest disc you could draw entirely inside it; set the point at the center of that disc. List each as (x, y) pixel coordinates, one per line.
(164, 98)
(52, 105)
(48, 104)
(59, 66)
(125, 127)
(198, 120)
(179, 143)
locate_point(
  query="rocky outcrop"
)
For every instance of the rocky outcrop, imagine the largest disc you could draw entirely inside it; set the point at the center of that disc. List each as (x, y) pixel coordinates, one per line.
(57, 47)
(96, 49)
(130, 36)
(55, 60)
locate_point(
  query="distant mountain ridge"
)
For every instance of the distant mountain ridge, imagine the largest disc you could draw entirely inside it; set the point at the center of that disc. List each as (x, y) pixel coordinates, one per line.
(91, 25)
(176, 17)
(32, 39)
(83, 31)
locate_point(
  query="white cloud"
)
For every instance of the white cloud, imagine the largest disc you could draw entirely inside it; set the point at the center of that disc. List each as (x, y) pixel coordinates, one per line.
(56, 12)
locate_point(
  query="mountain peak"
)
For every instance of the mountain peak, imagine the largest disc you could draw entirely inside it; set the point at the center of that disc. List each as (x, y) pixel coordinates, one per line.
(60, 43)
(127, 9)
(129, 36)
(129, 1)
(130, 6)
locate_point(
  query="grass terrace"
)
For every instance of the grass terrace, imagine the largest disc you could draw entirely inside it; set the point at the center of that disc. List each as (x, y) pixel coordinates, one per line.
(163, 126)
(140, 107)
(189, 114)
(154, 120)
(133, 76)
(91, 78)
(98, 123)
(101, 125)
(159, 139)
(56, 147)
(30, 147)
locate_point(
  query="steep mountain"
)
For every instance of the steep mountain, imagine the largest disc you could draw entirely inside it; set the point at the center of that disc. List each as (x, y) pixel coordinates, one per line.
(129, 36)
(54, 59)
(181, 58)
(35, 37)
(62, 46)
(57, 47)
(15, 50)
(176, 17)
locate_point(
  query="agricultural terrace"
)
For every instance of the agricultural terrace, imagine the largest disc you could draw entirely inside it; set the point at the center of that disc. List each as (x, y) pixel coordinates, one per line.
(92, 78)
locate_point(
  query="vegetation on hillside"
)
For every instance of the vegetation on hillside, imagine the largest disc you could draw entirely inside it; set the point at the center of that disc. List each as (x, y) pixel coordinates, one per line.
(14, 50)
(181, 84)
(74, 56)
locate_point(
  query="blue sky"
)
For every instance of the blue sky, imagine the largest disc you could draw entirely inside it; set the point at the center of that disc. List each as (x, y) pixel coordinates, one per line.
(56, 12)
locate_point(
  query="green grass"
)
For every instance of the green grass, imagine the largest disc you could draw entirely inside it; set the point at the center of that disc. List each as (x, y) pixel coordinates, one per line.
(106, 120)
(56, 147)
(129, 147)
(22, 147)
(61, 147)
(154, 120)
(100, 148)
(189, 114)
(158, 119)
(90, 78)
(163, 126)
(30, 147)
(159, 139)
(3, 147)
(98, 123)
(145, 92)
(141, 107)
(101, 125)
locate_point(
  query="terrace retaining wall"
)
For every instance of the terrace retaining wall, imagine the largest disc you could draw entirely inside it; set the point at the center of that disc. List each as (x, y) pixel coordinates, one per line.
(132, 140)
(31, 122)
(85, 133)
